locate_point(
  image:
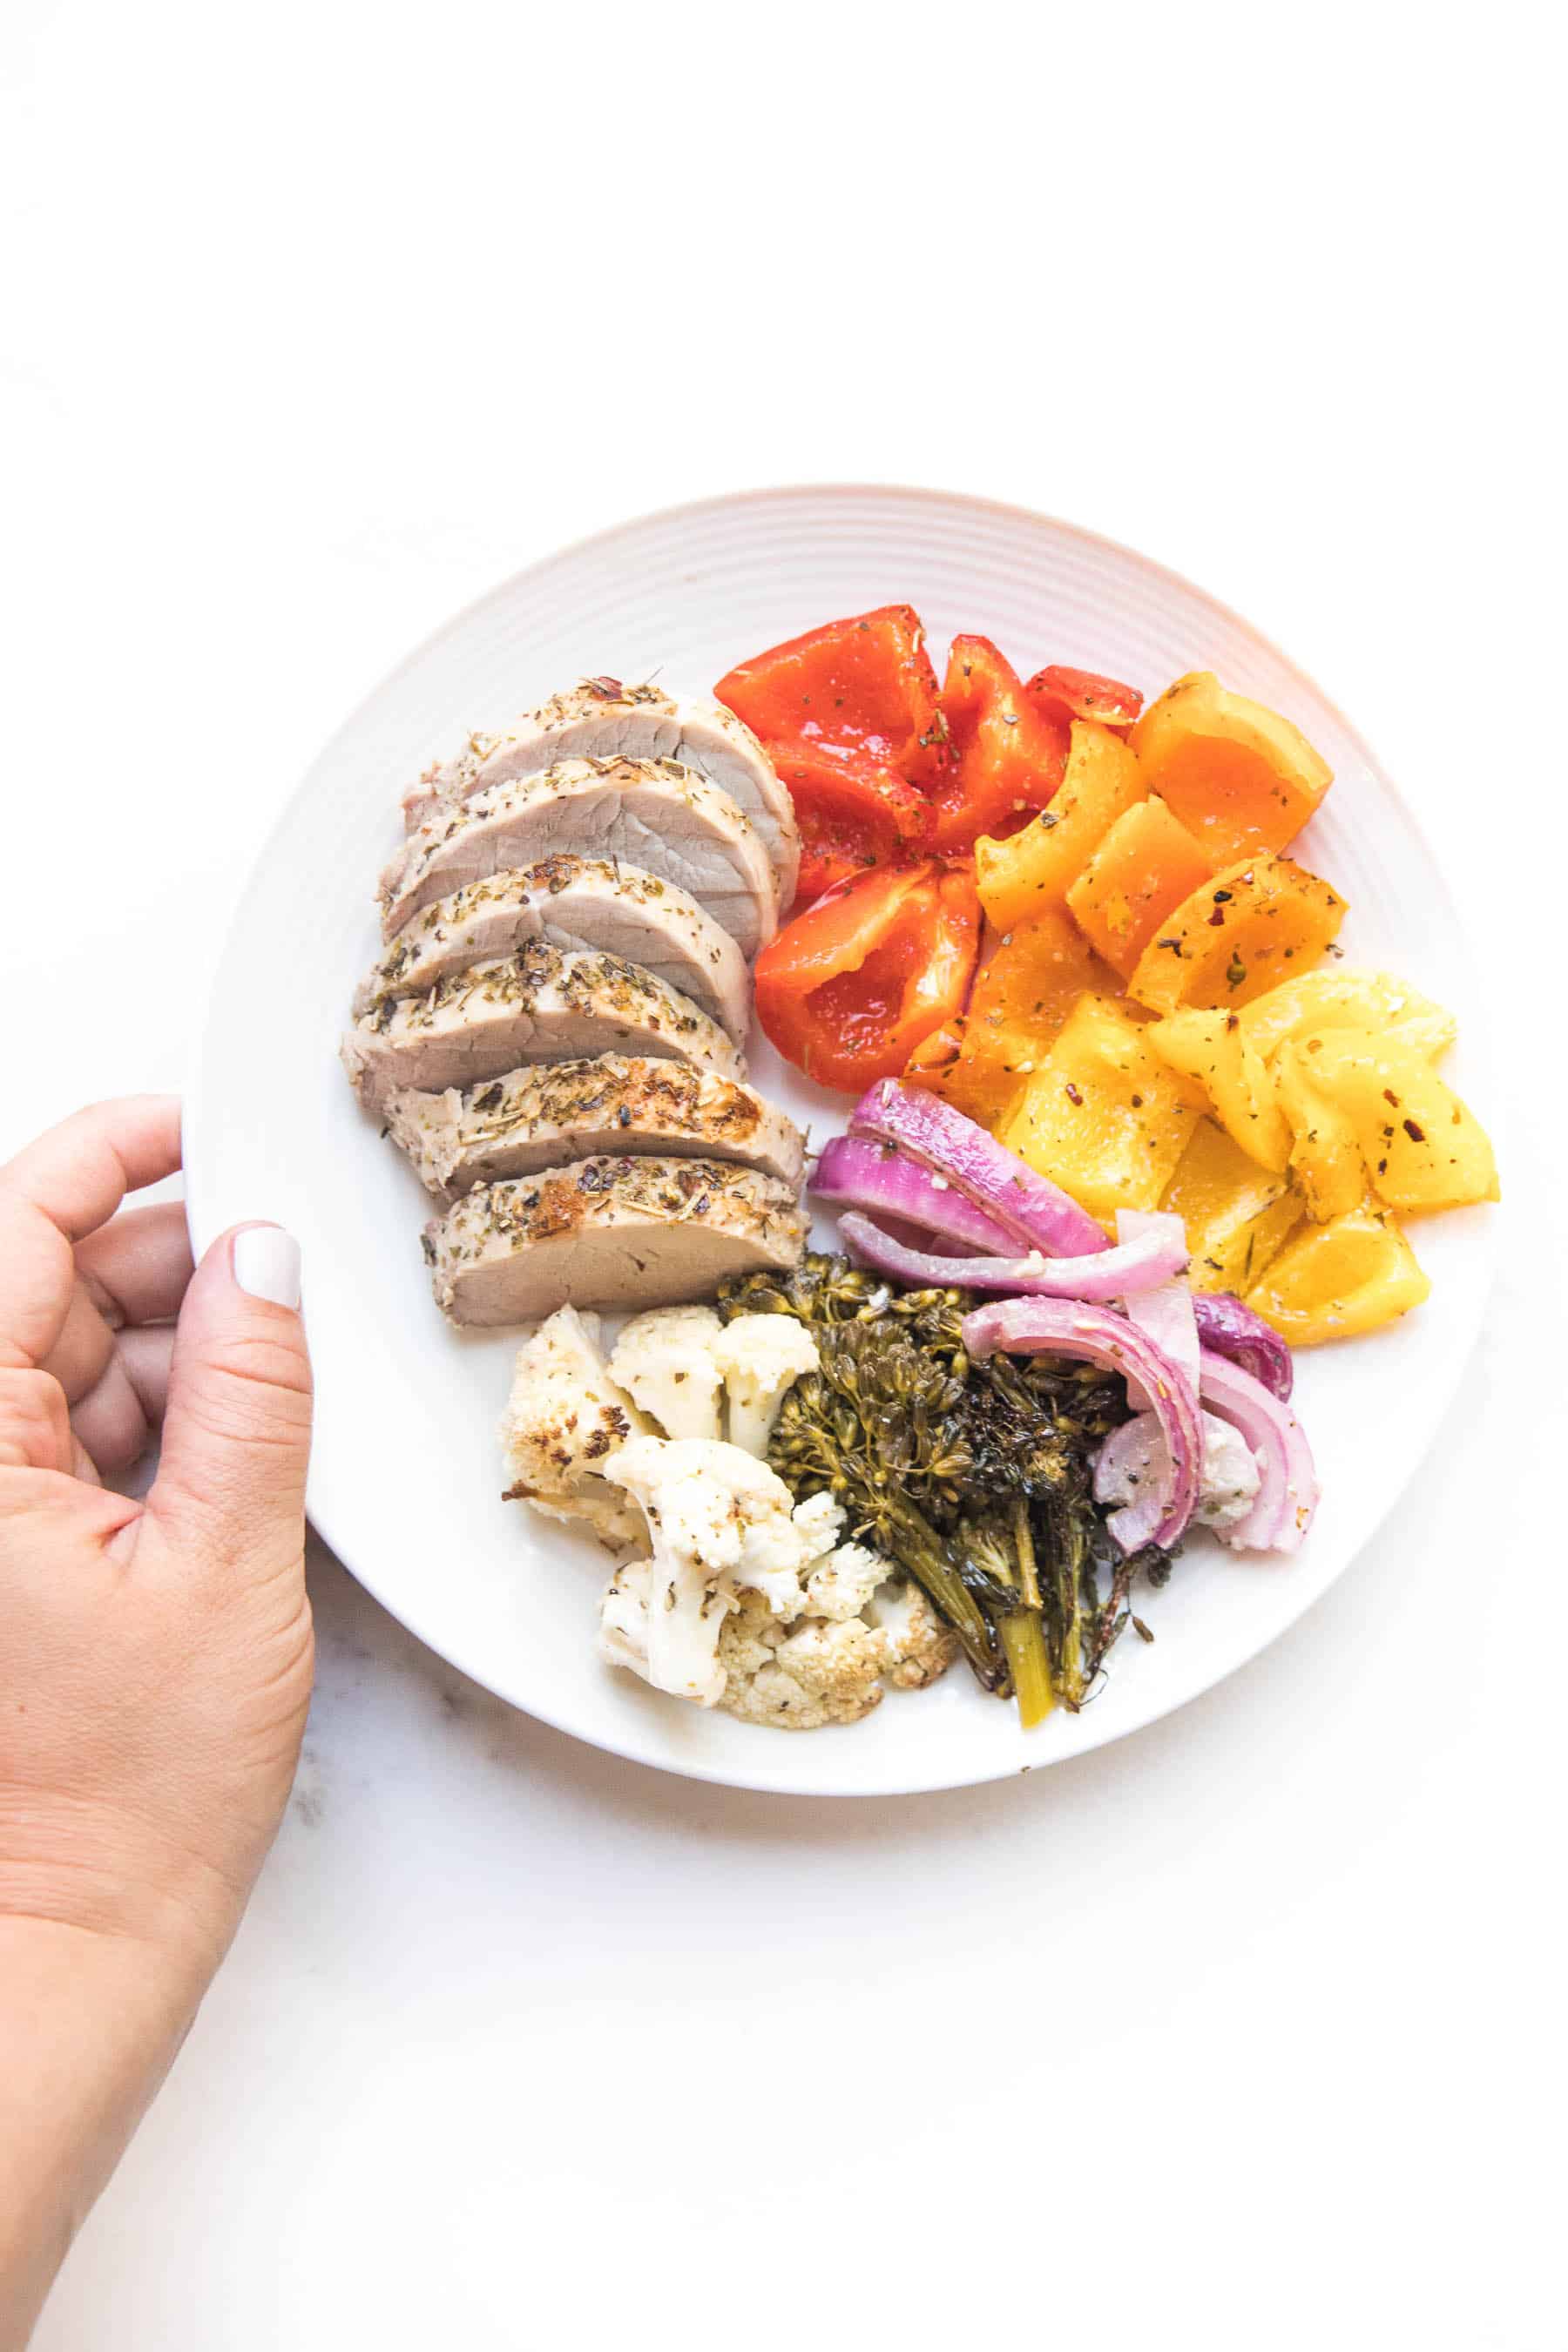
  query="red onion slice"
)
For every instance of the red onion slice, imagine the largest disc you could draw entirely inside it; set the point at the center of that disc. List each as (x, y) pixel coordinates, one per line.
(854, 1174)
(1165, 1314)
(1288, 1493)
(1139, 1265)
(1227, 1328)
(933, 1133)
(1129, 1457)
(1026, 1326)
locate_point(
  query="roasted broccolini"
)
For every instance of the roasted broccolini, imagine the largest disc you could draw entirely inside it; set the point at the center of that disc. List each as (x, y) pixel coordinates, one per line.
(975, 1478)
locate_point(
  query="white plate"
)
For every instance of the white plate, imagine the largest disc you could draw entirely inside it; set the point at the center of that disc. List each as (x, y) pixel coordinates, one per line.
(406, 1482)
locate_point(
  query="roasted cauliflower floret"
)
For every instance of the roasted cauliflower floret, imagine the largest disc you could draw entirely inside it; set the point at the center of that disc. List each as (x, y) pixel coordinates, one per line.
(750, 1603)
(761, 1357)
(720, 1524)
(747, 1600)
(623, 1616)
(920, 1648)
(843, 1583)
(803, 1680)
(667, 1360)
(565, 1417)
(661, 1619)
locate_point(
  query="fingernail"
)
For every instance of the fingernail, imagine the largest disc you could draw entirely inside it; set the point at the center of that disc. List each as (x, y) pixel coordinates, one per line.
(266, 1263)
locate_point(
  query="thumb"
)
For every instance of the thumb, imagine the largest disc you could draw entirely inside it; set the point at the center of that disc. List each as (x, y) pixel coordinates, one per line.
(237, 1435)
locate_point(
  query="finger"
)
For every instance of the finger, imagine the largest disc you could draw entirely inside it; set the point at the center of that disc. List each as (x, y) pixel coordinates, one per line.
(137, 1267)
(112, 1422)
(115, 1420)
(34, 1422)
(230, 1490)
(147, 1356)
(146, 1255)
(58, 1191)
(78, 1174)
(82, 1347)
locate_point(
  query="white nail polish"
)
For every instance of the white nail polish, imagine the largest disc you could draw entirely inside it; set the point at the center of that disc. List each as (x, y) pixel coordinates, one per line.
(266, 1263)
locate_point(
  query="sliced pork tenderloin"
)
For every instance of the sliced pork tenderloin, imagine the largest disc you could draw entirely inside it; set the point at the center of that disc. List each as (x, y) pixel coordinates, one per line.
(539, 1118)
(609, 1231)
(539, 1005)
(584, 905)
(603, 719)
(654, 814)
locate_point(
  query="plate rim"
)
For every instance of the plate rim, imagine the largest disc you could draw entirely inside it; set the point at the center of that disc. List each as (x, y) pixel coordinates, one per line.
(204, 1228)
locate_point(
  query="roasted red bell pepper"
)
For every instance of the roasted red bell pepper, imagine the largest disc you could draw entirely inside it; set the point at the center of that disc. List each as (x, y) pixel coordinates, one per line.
(852, 815)
(861, 690)
(1084, 694)
(1007, 751)
(849, 989)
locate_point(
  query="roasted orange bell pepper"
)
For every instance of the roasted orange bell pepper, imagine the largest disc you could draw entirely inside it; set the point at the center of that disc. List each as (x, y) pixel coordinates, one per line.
(1239, 776)
(849, 989)
(1019, 1002)
(1084, 694)
(860, 692)
(1031, 872)
(1146, 863)
(1007, 753)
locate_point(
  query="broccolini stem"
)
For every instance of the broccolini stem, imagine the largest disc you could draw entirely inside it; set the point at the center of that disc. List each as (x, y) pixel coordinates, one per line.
(918, 1548)
(1024, 1640)
(1073, 1677)
(1024, 1535)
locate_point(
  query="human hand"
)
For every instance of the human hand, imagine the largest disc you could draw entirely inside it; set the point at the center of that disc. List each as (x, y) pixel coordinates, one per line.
(155, 1658)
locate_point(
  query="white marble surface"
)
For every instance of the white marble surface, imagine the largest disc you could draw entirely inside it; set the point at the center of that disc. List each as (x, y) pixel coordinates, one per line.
(1246, 2032)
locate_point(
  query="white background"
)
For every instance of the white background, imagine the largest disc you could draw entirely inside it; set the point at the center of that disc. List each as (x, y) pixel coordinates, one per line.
(317, 319)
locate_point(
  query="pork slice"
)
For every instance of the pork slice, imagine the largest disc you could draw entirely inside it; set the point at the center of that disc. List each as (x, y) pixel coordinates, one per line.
(537, 1117)
(539, 1005)
(603, 719)
(654, 814)
(581, 904)
(609, 1231)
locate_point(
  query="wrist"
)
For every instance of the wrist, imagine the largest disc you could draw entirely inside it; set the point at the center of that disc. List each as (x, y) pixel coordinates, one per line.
(89, 2024)
(91, 1869)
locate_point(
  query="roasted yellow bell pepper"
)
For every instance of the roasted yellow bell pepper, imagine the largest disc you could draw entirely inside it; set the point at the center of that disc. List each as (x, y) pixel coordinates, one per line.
(1423, 1147)
(1237, 936)
(1238, 1214)
(1334, 1281)
(1317, 1001)
(1211, 1049)
(1326, 1160)
(1102, 1115)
